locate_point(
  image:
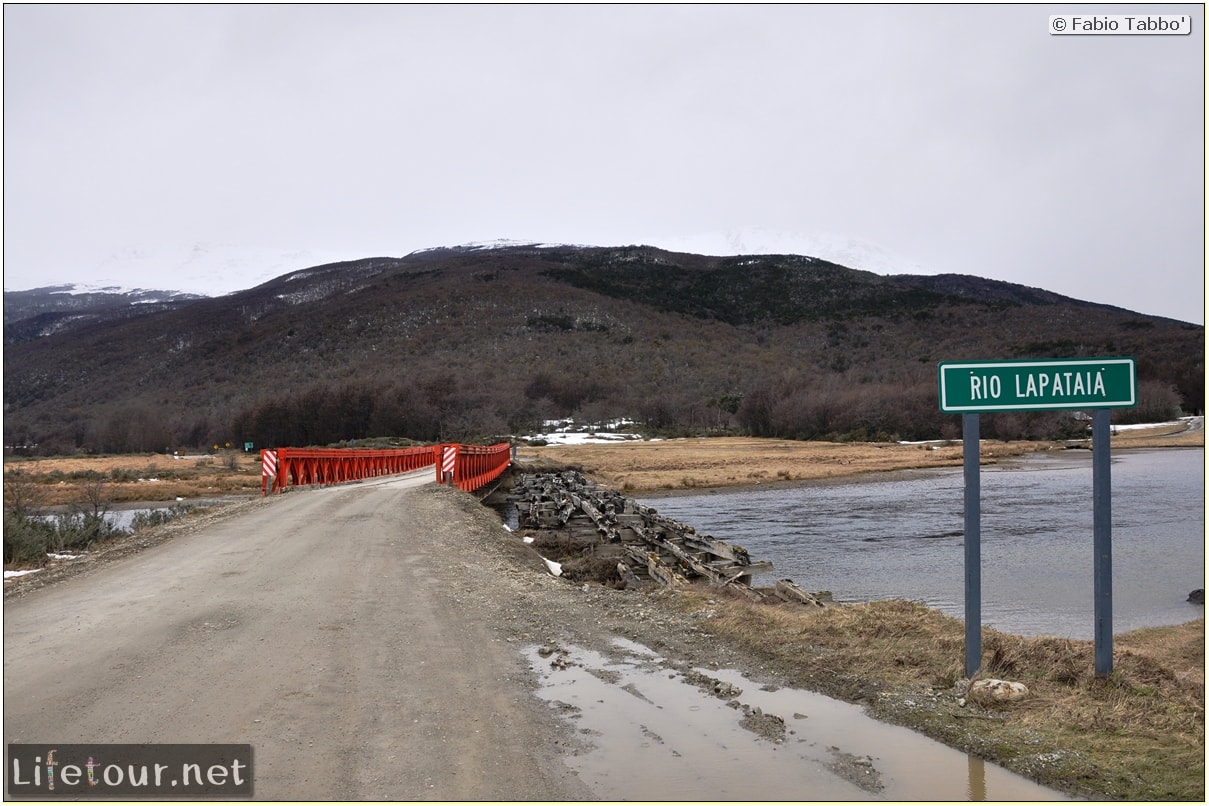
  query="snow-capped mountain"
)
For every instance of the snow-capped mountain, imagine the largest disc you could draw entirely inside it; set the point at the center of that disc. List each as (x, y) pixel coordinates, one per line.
(498, 243)
(38, 312)
(74, 295)
(207, 269)
(844, 250)
(214, 270)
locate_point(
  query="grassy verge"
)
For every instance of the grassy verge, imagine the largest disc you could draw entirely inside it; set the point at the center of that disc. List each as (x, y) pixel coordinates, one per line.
(30, 540)
(1138, 734)
(64, 481)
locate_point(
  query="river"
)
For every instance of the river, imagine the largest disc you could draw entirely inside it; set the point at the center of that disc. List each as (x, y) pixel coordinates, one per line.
(900, 535)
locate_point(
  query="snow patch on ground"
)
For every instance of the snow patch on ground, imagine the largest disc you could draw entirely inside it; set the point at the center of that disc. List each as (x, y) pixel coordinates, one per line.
(52, 555)
(1184, 421)
(1140, 426)
(566, 432)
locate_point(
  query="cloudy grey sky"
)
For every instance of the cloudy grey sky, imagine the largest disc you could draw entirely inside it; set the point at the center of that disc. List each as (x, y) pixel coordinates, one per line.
(211, 147)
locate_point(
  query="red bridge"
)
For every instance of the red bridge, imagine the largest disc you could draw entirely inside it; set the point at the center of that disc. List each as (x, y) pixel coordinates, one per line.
(467, 467)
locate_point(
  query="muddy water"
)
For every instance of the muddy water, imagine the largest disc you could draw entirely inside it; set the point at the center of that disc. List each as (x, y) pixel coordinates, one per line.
(654, 731)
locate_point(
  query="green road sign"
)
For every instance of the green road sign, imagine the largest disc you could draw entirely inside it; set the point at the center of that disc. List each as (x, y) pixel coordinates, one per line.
(1037, 385)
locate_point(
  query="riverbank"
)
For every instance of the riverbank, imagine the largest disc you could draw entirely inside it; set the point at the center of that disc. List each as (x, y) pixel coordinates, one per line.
(721, 462)
(1137, 734)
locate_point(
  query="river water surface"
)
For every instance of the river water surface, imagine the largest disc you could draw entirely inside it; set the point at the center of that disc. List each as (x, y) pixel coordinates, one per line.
(901, 536)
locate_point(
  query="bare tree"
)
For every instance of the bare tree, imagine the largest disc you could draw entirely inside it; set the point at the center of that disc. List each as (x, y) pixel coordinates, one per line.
(96, 497)
(22, 495)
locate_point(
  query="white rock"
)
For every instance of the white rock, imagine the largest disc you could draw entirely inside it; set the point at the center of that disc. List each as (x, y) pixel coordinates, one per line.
(1000, 690)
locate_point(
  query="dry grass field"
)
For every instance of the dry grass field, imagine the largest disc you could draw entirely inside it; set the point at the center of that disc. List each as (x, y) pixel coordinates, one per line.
(649, 466)
(739, 461)
(133, 478)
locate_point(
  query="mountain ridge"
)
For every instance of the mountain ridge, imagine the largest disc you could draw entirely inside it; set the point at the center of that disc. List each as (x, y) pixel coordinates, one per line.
(467, 342)
(38, 312)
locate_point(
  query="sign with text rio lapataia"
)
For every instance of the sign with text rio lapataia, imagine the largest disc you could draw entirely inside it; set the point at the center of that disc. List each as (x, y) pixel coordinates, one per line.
(971, 388)
(1037, 385)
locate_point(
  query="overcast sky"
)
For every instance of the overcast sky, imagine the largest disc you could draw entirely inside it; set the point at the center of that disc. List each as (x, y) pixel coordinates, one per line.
(215, 146)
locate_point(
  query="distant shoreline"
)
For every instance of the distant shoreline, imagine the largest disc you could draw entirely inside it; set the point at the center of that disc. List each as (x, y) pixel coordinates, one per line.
(713, 464)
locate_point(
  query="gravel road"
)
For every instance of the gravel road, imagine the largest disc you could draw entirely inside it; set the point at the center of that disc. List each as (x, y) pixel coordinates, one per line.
(384, 640)
(347, 633)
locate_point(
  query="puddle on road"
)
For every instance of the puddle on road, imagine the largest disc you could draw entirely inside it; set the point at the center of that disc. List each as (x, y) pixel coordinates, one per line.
(657, 732)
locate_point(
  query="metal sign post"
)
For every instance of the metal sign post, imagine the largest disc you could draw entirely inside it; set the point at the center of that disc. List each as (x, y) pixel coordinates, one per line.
(1101, 493)
(973, 542)
(1099, 384)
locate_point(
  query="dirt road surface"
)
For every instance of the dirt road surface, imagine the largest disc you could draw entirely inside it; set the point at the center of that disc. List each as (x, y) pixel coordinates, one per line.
(389, 641)
(319, 627)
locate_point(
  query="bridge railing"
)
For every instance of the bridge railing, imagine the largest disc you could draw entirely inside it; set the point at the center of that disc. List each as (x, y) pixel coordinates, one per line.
(466, 466)
(473, 466)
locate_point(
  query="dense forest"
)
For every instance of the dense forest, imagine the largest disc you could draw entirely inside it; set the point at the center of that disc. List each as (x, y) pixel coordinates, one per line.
(463, 344)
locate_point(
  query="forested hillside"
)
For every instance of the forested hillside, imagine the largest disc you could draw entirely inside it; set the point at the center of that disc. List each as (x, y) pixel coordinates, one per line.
(467, 344)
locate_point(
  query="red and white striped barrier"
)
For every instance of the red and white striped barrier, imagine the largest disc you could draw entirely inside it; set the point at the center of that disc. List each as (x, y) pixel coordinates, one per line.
(268, 470)
(449, 463)
(268, 463)
(476, 466)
